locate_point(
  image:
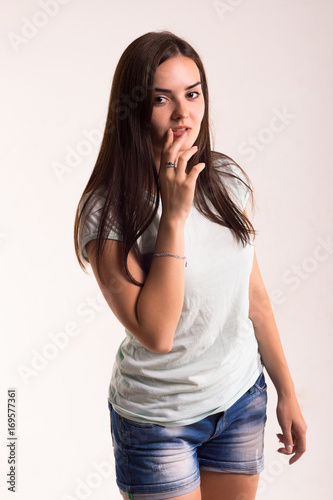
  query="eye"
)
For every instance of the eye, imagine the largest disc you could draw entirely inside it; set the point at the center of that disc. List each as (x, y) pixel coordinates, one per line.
(159, 99)
(193, 94)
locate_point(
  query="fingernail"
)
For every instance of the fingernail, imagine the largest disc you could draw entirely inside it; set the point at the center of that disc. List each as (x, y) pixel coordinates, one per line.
(289, 448)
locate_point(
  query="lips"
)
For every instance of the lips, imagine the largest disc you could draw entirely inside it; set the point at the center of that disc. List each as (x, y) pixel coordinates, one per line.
(180, 129)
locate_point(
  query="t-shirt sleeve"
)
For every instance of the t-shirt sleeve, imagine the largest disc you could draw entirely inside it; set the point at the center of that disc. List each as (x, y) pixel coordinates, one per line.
(90, 220)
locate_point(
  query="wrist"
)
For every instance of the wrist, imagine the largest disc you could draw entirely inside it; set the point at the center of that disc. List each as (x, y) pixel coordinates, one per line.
(286, 390)
(172, 222)
(181, 257)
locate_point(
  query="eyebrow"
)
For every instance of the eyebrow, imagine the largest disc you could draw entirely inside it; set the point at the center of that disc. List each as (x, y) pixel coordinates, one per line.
(187, 88)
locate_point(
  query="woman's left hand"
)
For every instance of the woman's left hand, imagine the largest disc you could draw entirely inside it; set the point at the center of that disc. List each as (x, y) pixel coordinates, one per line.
(293, 427)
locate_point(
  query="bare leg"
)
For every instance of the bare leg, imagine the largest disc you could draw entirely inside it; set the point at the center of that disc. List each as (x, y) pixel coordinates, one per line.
(227, 486)
(194, 495)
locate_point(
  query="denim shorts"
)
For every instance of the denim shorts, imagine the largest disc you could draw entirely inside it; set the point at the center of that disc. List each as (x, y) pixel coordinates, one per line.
(155, 462)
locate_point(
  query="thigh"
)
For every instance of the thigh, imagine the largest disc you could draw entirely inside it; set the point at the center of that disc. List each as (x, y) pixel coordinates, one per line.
(194, 495)
(228, 486)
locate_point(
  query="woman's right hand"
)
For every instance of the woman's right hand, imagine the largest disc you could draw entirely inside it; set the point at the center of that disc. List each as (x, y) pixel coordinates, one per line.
(176, 187)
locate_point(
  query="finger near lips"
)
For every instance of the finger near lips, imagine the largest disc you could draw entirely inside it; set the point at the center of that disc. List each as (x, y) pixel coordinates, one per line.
(169, 137)
(171, 148)
(173, 152)
(176, 145)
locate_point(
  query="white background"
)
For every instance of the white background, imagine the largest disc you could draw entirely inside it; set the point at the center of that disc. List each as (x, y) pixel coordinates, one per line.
(262, 58)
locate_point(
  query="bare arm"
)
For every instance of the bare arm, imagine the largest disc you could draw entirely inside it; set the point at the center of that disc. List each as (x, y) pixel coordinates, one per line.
(160, 302)
(151, 313)
(270, 347)
(288, 412)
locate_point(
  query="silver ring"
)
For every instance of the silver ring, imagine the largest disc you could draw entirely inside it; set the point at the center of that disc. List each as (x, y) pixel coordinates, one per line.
(170, 164)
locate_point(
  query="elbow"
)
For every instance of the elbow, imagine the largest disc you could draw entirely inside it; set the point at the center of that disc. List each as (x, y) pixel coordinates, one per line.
(158, 342)
(259, 310)
(159, 347)
(155, 335)
(164, 349)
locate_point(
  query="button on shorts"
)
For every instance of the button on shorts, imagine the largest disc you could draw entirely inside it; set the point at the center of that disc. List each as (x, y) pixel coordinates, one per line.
(155, 462)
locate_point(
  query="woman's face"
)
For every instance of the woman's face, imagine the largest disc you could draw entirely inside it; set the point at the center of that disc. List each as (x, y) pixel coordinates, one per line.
(178, 103)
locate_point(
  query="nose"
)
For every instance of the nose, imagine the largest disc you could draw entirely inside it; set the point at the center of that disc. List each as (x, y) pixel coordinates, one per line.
(180, 111)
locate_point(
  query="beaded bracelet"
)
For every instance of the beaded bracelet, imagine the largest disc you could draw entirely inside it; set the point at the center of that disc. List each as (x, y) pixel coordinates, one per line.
(171, 255)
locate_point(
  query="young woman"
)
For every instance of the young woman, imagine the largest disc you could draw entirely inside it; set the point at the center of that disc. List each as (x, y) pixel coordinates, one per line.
(162, 222)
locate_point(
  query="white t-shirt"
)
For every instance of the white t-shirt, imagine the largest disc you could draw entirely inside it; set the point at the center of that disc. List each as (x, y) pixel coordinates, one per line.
(214, 359)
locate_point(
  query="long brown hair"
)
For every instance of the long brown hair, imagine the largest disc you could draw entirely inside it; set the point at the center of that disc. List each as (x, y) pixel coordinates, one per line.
(125, 167)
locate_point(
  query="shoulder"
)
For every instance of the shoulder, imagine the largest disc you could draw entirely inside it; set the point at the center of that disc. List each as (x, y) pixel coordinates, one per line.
(234, 178)
(225, 164)
(227, 167)
(92, 202)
